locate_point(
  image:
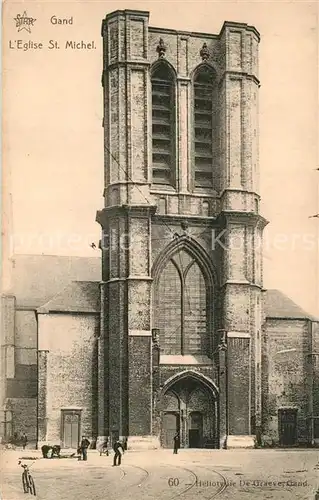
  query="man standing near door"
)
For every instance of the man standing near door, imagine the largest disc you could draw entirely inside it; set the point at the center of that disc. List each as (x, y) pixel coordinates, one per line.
(177, 443)
(85, 443)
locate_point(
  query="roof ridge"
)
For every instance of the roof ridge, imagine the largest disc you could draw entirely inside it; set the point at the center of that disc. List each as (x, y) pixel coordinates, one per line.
(54, 296)
(281, 305)
(55, 255)
(76, 296)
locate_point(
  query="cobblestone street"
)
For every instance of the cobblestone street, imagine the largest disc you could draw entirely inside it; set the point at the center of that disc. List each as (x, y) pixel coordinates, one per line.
(192, 474)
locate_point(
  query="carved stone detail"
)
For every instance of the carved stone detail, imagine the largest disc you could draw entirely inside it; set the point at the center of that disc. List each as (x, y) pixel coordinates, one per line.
(204, 53)
(161, 48)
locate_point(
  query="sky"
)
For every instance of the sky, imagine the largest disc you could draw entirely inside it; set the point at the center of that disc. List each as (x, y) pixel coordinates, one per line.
(53, 136)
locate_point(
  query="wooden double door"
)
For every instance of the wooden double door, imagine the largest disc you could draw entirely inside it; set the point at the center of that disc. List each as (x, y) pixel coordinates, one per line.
(71, 422)
(172, 424)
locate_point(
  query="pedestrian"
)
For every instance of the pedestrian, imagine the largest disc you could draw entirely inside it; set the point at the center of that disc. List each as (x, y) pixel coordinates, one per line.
(125, 444)
(85, 443)
(117, 453)
(104, 448)
(176, 443)
(24, 440)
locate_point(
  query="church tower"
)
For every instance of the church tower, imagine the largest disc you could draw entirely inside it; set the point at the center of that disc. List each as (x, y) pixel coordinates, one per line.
(181, 306)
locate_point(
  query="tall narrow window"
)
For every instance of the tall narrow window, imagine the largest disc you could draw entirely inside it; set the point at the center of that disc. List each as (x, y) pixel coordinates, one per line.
(182, 307)
(163, 125)
(169, 306)
(203, 125)
(195, 311)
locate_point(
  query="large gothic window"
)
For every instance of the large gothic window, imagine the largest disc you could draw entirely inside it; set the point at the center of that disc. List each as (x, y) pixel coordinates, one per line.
(203, 127)
(181, 312)
(163, 125)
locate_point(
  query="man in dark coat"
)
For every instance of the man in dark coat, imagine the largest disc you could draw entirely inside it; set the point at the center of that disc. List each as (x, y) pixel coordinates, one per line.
(176, 443)
(117, 453)
(24, 440)
(85, 443)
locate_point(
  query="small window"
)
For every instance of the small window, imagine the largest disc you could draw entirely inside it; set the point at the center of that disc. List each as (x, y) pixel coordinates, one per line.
(203, 128)
(163, 125)
(205, 209)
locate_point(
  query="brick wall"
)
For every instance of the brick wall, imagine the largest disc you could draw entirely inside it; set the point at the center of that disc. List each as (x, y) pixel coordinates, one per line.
(20, 365)
(24, 383)
(24, 417)
(71, 342)
(284, 367)
(238, 385)
(140, 400)
(315, 359)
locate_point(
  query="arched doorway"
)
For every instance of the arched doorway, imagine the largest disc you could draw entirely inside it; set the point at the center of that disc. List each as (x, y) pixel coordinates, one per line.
(189, 404)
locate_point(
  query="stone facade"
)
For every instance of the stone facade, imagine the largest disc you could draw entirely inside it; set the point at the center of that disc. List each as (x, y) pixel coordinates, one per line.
(26, 367)
(152, 218)
(68, 348)
(290, 371)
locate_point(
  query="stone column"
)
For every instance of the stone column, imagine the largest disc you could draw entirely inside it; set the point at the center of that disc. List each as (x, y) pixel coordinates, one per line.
(126, 219)
(222, 416)
(239, 115)
(241, 291)
(312, 362)
(156, 424)
(242, 276)
(103, 424)
(42, 397)
(8, 335)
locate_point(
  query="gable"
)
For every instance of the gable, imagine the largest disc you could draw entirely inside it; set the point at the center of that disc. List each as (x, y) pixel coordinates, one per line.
(279, 305)
(38, 278)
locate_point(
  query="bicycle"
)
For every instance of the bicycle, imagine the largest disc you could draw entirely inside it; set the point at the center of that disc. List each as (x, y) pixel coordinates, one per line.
(27, 480)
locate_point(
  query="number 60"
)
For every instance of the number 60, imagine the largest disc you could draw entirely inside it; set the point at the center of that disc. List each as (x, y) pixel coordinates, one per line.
(173, 481)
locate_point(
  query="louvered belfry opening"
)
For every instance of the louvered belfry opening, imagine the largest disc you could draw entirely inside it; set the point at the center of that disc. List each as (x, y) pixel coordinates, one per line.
(163, 125)
(203, 127)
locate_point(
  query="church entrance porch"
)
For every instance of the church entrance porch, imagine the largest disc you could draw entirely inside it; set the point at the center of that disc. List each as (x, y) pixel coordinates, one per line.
(189, 407)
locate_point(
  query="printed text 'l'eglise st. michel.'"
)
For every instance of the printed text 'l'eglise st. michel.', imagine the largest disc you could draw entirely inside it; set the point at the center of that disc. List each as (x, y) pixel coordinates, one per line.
(52, 44)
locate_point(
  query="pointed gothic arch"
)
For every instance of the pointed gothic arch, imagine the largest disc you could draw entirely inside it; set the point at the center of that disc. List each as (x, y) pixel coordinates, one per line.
(198, 253)
(163, 63)
(204, 66)
(183, 298)
(191, 374)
